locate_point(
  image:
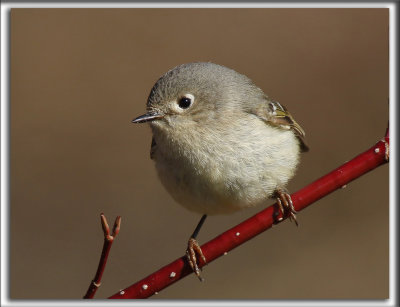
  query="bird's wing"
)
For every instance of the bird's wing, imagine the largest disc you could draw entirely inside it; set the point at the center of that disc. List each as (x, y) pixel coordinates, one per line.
(152, 148)
(277, 115)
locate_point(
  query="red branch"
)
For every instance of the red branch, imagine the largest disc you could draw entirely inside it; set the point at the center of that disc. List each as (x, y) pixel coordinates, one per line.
(108, 240)
(338, 178)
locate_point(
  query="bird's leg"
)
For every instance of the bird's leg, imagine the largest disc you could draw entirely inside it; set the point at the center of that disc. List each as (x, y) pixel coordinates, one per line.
(194, 247)
(286, 206)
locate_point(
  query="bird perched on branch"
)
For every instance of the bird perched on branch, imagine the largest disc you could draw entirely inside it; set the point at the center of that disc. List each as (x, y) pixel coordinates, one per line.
(220, 144)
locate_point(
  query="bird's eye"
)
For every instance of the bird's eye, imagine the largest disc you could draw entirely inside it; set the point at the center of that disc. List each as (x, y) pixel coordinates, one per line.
(185, 102)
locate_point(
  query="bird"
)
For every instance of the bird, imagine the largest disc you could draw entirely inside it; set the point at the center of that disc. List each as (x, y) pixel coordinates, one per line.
(220, 144)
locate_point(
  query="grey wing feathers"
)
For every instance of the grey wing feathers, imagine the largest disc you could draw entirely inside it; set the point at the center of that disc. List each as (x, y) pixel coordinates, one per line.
(281, 117)
(277, 115)
(152, 148)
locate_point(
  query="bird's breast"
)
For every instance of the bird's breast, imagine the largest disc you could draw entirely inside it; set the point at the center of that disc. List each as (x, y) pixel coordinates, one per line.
(223, 168)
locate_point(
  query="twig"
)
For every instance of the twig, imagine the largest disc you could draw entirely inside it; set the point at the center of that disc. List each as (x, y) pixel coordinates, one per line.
(108, 240)
(338, 178)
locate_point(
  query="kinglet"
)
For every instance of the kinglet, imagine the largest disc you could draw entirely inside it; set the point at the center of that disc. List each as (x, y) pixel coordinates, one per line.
(220, 144)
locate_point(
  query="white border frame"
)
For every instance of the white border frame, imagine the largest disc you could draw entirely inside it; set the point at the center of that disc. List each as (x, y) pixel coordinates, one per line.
(5, 157)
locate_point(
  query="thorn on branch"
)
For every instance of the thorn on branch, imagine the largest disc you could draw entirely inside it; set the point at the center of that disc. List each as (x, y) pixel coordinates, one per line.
(106, 228)
(386, 149)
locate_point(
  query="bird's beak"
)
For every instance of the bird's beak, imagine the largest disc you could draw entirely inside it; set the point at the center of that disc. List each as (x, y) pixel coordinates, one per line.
(148, 117)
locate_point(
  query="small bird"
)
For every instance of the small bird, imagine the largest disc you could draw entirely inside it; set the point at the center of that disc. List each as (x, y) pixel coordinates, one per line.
(220, 144)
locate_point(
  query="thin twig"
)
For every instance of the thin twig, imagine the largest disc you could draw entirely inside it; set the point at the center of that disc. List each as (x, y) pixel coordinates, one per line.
(108, 240)
(338, 178)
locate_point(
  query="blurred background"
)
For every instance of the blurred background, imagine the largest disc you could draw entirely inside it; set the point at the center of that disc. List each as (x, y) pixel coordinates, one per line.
(78, 78)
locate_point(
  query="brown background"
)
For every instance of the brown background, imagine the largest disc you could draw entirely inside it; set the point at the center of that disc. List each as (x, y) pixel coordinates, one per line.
(78, 77)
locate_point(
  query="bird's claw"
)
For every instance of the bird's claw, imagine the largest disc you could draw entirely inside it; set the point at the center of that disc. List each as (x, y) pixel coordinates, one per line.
(286, 206)
(193, 249)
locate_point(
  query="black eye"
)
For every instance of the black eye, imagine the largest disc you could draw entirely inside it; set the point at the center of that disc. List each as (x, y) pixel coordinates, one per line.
(184, 102)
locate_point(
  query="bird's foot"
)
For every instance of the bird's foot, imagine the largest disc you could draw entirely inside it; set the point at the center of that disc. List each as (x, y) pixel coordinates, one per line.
(193, 249)
(286, 206)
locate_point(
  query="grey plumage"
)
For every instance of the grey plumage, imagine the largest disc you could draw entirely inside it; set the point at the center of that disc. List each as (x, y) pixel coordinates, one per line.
(231, 148)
